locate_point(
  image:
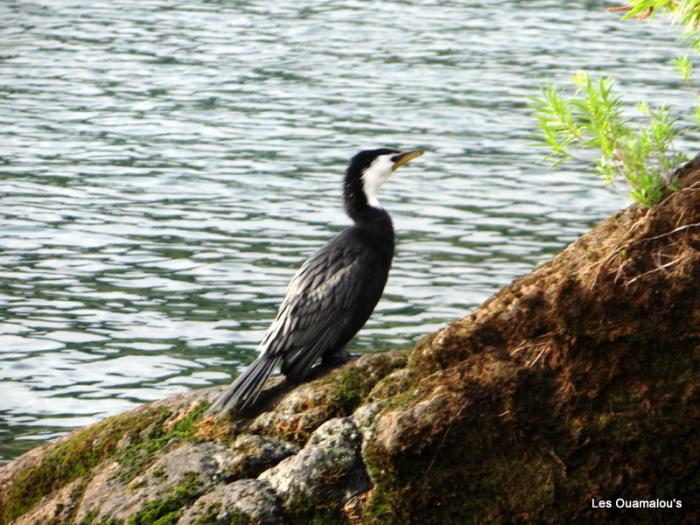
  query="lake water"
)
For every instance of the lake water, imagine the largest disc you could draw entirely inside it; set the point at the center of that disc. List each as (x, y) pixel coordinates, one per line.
(166, 166)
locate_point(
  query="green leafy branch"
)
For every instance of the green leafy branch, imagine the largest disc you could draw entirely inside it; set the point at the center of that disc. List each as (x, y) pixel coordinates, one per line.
(641, 151)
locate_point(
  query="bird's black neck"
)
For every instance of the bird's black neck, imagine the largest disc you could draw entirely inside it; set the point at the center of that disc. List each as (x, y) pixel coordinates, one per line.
(376, 220)
(376, 228)
(372, 220)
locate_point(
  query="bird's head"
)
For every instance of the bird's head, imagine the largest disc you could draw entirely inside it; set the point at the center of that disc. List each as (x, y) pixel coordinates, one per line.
(368, 170)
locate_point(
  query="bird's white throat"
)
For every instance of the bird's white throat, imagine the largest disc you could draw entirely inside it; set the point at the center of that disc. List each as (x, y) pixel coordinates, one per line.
(374, 176)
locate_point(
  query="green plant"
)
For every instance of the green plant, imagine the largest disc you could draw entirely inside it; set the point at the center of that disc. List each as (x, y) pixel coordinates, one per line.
(167, 511)
(640, 150)
(684, 67)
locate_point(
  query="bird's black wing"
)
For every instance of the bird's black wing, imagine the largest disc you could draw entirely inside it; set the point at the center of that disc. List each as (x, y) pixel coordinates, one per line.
(319, 304)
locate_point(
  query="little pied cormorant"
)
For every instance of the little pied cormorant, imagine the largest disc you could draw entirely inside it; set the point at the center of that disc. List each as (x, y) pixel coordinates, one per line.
(334, 292)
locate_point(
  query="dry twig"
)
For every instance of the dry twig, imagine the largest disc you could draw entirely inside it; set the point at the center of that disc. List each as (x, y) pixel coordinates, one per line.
(607, 259)
(623, 8)
(654, 270)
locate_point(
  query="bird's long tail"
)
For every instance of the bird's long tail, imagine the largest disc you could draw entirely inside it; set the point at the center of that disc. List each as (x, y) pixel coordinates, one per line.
(243, 392)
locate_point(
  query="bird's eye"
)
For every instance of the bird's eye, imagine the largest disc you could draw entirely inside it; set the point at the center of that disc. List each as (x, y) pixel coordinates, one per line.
(395, 158)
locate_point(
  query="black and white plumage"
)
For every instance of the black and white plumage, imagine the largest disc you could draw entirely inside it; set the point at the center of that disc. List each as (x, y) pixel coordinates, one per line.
(334, 292)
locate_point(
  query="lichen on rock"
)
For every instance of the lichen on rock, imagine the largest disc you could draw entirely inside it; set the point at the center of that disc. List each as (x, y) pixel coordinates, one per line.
(323, 476)
(243, 502)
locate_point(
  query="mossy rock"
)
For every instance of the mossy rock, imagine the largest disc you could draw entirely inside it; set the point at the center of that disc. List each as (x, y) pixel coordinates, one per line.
(576, 381)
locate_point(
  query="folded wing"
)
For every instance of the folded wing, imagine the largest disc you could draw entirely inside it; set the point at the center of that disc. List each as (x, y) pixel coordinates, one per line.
(320, 303)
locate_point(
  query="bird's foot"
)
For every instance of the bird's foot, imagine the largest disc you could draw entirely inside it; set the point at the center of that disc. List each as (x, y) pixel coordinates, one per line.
(336, 358)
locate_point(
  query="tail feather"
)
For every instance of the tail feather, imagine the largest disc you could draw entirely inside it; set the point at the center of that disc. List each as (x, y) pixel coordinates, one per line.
(243, 392)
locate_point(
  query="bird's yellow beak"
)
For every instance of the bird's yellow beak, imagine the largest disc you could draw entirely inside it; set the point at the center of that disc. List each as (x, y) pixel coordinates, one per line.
(403, 158)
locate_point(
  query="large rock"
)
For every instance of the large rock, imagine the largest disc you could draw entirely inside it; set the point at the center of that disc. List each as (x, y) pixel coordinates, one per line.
(574, 384)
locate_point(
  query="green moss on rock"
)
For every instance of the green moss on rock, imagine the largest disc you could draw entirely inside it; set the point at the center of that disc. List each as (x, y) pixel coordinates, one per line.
(72, 458)
(209, 516)
(132, 439)
(167, 511)
(144, 445)
(349, 386)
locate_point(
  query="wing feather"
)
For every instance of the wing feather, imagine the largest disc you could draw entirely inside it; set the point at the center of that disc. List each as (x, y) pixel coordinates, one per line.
(320, 301)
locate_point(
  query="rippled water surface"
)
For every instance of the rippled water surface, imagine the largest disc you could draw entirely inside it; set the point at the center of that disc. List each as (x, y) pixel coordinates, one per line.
(166, 166)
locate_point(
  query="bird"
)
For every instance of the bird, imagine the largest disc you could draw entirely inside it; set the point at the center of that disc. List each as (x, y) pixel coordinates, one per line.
(335, 291)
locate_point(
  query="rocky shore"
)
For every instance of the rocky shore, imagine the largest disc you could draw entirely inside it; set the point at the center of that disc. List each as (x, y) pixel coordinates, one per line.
(574, 385)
